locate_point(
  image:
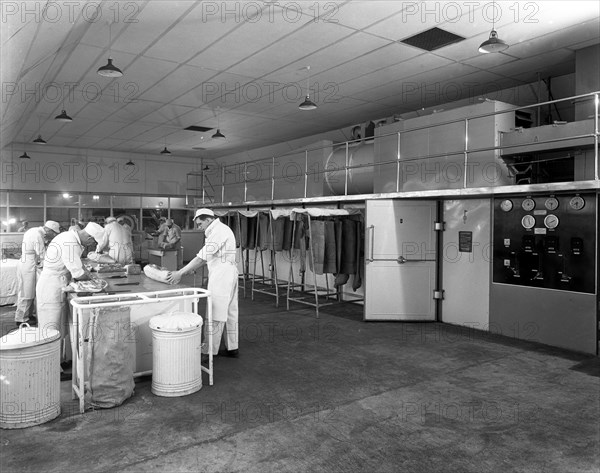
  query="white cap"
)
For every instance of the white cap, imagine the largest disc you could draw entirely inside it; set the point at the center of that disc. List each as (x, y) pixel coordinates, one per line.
(52, 225)
(95, 231)
(110, 220)
(204, 212)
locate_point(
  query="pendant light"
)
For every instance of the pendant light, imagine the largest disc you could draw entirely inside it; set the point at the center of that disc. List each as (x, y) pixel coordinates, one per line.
(24, 155)
(165, 151)
(130, 163)
(493, 44)
(39, 140)
(218, 135)
(63, 117)
(110, 70)
(308, 104)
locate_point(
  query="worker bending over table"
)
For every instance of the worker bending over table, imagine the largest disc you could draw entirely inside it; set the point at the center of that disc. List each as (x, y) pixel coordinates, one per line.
(61, 263)
(33, 251)
(170, 237)
(218, 254)
(116, 242)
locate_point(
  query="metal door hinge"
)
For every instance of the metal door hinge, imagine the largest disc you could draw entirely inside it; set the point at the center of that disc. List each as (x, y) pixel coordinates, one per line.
(439, 226)
(438, 295)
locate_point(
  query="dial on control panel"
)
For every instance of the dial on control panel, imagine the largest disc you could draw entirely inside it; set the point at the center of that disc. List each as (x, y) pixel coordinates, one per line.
(528, 205)
(551, 203)
(506, 205)
(577, 203)
(551, 221)
(528, 221)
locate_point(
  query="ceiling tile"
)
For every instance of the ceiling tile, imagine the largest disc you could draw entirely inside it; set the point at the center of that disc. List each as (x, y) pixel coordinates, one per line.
(359, 15)
(177, 83)
(131, 131)
(234, 47)
(347, 49)
(391, 54)
(191, 35)
(304, 41)
(146, 25)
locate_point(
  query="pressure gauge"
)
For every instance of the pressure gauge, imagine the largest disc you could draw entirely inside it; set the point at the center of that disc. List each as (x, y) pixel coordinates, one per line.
(528, 221)
(551, 203)
(528, 205)
(577, 203)
(551, 221)
(506, 205)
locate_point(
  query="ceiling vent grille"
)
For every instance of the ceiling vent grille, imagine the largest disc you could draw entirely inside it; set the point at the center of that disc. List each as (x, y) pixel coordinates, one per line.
(201, 129)
(432, 39)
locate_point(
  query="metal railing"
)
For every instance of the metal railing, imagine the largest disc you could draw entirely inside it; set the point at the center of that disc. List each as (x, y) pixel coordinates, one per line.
(267, 180)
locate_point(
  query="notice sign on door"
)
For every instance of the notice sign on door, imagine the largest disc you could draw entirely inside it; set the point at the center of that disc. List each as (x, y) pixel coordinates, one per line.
(465, 242)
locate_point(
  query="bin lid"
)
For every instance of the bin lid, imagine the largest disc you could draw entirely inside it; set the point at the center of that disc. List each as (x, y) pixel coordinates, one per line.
(175, 322)
(26, 336)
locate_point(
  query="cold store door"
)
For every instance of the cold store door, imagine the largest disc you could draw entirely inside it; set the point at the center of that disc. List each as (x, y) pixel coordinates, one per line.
(400, 260)
(465, 263)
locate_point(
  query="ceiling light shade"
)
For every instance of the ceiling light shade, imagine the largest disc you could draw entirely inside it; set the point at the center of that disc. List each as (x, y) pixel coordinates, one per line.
(24, 155)
(218, 135)
(308, 104)
(63, 117)
(110, 70)
(493, 44)
(165, 151)
(39, 140)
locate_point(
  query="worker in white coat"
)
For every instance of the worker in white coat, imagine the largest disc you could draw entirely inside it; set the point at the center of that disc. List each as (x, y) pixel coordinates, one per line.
(33, 250)
(123, 222)
(61, 264)
(117, 242)
(218, 254)
(170, 238)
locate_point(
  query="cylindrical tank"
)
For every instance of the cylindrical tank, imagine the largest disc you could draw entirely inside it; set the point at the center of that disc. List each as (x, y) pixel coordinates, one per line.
(360, 179)
(176, 354)
(29, 377)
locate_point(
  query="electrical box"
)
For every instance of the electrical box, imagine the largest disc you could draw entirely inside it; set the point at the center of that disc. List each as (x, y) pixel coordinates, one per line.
(546, 241)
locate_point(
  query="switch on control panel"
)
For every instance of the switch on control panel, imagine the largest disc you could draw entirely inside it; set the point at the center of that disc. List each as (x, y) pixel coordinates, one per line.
(528, 243)
(576, 246)
(551, 244)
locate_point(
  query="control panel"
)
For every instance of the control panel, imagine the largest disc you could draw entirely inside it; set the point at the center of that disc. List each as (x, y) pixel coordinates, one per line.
(546, 241)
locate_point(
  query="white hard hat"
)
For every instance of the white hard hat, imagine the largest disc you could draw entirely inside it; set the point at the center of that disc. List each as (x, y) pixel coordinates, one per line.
(204, 213)
(95, 231)
(52, 225)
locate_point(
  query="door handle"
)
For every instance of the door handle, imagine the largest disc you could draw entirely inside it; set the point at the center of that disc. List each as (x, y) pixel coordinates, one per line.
(371, 239)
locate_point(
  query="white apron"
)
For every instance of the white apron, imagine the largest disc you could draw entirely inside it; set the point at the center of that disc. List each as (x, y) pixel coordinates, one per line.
(27, 275)
(222, 284)
(51, 300)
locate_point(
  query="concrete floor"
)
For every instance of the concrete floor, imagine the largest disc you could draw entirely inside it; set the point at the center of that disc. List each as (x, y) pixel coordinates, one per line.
(340, 395)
